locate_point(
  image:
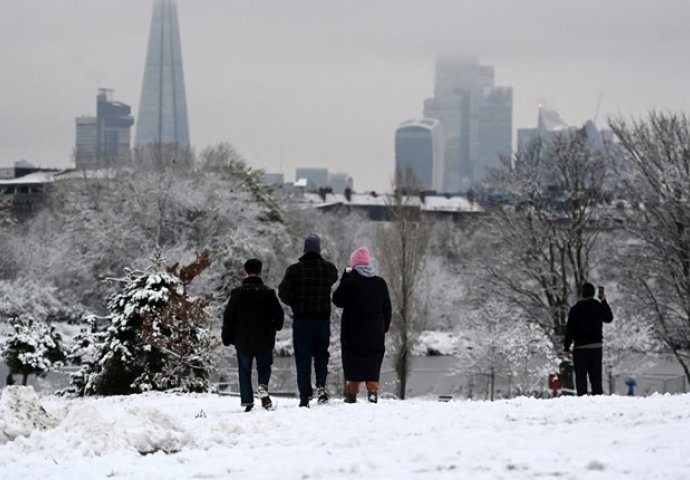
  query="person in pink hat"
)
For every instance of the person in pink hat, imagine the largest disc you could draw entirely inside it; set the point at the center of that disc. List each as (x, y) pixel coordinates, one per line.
(366, 317)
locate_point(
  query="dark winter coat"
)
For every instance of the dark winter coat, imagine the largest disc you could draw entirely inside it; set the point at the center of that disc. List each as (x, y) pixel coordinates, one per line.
(252, 317)
(306, 286)
(366, 318)
(585, 321)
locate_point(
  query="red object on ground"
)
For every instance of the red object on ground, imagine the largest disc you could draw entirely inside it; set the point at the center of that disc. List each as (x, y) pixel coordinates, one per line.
(554, 383)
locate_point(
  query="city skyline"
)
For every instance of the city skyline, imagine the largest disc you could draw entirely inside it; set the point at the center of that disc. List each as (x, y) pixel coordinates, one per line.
(285, 84)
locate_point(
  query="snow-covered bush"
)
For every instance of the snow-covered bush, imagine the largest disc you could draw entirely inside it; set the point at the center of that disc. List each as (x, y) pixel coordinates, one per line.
(32, 348)
(158, 338)
(433, 343)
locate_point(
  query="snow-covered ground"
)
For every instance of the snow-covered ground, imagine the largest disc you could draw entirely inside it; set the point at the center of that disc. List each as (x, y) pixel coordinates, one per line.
(207, 436)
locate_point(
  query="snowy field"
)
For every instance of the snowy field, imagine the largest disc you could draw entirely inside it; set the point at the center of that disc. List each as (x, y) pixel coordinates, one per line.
(163, 436)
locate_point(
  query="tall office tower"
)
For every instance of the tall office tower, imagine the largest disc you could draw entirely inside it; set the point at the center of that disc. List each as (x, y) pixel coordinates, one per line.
(163, 104)
(103, 141)
(86, 149)
(114, 121)
(419, 150)
(476, 118)
(495, 130)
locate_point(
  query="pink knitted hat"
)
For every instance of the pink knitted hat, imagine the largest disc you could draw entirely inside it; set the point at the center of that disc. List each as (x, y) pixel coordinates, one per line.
(360, 257)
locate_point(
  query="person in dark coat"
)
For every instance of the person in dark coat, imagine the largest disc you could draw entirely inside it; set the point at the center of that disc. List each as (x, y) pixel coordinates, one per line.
(306, 288)
(250, 321)
(584, 329)
(366, 305)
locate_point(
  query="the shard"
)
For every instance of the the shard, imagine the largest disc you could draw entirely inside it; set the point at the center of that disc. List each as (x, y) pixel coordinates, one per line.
(163, 103)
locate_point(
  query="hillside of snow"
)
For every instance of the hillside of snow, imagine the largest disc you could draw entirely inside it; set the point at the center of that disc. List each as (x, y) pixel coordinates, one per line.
(208, 436)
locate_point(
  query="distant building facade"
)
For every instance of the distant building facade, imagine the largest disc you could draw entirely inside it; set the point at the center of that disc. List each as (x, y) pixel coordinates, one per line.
(274, 178)
(104, 141)
(340, 182)
(476, 118)
(316, 178)
(23, 187)
(419, 150)
(550, 125)
(163, 104)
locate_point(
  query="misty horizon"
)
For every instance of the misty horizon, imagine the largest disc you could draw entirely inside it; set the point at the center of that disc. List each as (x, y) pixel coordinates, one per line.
(310, 85)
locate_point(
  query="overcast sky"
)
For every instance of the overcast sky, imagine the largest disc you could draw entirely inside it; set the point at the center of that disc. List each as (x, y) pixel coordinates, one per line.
(311, 83)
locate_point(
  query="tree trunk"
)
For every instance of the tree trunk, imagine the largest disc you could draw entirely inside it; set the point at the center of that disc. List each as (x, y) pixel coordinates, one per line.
(25, 377)
(493, 383)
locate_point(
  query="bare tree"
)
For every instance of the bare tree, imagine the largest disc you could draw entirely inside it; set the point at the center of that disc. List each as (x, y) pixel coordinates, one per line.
(658, 159)
(541, 236)
(402, 244)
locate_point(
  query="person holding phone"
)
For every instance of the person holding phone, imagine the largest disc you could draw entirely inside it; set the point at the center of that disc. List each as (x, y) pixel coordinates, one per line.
(584, 330)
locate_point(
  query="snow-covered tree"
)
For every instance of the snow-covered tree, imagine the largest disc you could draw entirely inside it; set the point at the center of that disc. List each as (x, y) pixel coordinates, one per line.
(403, 244)
(658, 269)
(630, 344)
(500, 343)
(538, 245)
(97, 223)
(36, 299)
(32, 348)
(159, 337)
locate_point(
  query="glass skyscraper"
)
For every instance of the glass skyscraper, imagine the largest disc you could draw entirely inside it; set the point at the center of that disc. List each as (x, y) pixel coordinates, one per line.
(476, 117)
(419, 151)
(162, 116)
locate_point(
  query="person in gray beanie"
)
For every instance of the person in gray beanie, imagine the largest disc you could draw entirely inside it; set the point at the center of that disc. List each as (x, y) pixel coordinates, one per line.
(306, 289)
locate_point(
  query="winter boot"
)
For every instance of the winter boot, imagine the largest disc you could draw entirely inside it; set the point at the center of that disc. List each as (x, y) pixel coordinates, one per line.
(248, 408)
(321, 395)
(266, 401)
(351, 391)
(304, 402)
(373, 391)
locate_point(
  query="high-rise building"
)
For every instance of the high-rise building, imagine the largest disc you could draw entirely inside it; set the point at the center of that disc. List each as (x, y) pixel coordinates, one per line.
(476, 118)
(419, 150)
(86, 149)
(163, 104)
(103, 141)
(495, 129)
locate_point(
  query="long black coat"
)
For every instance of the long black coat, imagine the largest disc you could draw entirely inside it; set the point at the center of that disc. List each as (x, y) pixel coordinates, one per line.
(252, 317)
(366, 318)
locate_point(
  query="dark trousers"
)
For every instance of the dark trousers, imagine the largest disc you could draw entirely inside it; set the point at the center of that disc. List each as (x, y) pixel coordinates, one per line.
(244, 368)
(587, 363)
(311, 337)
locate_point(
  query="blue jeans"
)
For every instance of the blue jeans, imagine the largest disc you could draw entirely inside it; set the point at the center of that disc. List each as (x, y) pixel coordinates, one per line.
(311, 337)
(244, 367)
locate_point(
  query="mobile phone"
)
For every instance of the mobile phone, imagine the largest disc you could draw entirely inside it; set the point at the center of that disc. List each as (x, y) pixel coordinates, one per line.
(601, 292)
